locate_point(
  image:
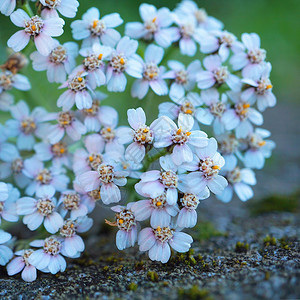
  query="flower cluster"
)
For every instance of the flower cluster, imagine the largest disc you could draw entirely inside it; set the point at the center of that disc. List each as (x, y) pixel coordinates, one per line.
(58, 165)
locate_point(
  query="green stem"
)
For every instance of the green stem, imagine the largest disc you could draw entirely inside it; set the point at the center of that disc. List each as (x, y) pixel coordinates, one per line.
(26, 7)
(150, 159)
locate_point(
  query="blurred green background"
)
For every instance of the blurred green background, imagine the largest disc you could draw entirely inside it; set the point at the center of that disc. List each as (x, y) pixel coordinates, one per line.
(276, 21)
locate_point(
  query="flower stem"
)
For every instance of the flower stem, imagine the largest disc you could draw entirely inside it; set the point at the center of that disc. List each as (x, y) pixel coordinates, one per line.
(26, 7)
(150, 159)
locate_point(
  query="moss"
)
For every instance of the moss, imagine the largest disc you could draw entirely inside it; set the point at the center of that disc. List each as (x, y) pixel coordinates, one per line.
(267, 275)
(118, 269)
(186, 258)
(153, 276)
(241, 247)
(268, 240)
(284, 244)
(105, 268)
(276, 203)
(132, 286)
(205, 230)
(194, 293)
(139, 265)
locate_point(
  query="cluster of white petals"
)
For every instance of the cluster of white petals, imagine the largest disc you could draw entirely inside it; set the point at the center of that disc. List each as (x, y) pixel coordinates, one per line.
(55, 167)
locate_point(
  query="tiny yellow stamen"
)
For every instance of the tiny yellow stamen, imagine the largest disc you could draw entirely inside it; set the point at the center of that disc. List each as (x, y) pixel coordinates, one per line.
(33, 27)
(80, 79)
(121, 221)
(40, 178)
(125, 167)
(108, 129)
(100, 56)
(154, 20)
(62, 150)
(269, 86)
(216, 168)
(72, 225)
(146, 130)
(188, 111)
(91, 158)
(158, 203)
(95, 23)
(143, 138)
(243, 112)
(262, 143)
(122, 61)
(188, 133)
(246, 105)
(158, 228)
(178, 131)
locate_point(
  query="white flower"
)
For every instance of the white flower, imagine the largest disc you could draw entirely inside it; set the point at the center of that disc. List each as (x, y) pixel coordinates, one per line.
(59, 62)
(205, 169)
(216, 74)
(238, 181)
(41, 30)
(155, 26)
(153, 75)
(5, 253)
(91, 29)
(122, 60)
(8, 80)
(41, 210)
(67, 8)
(167, 133)
(7, 6)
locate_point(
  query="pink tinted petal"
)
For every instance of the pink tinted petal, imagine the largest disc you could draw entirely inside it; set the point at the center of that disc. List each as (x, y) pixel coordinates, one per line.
(18, 41)
(15, 266)
(53, 222)
(89, 181)
(135, 152)
(29, 273)
(44, 43)
(110, 193)
(146, 239)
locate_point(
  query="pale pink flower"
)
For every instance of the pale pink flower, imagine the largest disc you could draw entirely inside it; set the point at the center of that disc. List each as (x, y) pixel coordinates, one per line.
(40, 210)
(167, 133)
(41, 30)
(184, 78)
(156, 26)
(94, 115)
(158, 241)
(8, 80)
(77, 93)
(157, 209)
(205, 169)
(91, 159)
(127, 225)
(122, 60)
(91, 29)
(58, 153)
(218, 41)
(187, 216)
(108, 177)
(68, 124)
(251, 59)
(154, 183)
(5, 253)
(93, 64)
(48, 259)
(42, 177)
(70, 201)
(13, 164)
(141, 135)
(213, 113)
(258, 149)
(26, 125)
(153, 75)
(239, 181)
(67, 8)
(72, 243)
(188, 33)
(241, 116)
(186, 105)
(20, 263)
(260, 89)
(216, 74)
(60, 61)
(188, 8)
